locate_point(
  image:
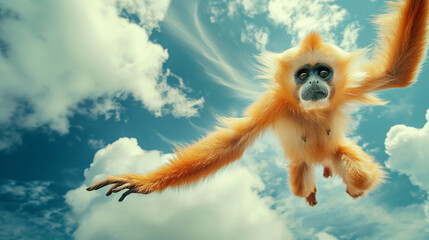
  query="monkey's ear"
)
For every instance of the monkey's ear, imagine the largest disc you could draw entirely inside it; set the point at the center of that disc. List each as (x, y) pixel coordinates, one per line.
(401, 46)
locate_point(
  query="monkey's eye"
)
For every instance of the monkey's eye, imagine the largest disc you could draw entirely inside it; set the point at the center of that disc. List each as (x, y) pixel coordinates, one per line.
(323, 72)
(302, 74)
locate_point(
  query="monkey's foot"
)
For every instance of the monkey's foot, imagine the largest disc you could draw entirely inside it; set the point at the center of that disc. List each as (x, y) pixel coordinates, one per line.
(134, 183)
(311, 199)
(327, 172)
(355, 194)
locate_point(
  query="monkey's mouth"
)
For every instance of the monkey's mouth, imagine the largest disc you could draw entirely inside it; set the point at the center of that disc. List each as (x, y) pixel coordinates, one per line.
(314, 94)
(319, 94)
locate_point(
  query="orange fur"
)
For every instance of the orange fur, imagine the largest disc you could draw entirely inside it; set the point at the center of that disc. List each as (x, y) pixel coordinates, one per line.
(311, 132)
(401, 48)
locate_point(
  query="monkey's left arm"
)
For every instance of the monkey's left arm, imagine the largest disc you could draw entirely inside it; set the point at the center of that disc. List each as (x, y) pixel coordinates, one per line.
(401, 46)
(202, 158)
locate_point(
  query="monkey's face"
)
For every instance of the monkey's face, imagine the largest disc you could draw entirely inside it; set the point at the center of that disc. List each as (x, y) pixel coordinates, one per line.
(314, 82)
(314, 75)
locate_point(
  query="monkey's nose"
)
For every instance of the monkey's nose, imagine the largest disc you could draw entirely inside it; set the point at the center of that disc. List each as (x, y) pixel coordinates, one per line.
(314, 82)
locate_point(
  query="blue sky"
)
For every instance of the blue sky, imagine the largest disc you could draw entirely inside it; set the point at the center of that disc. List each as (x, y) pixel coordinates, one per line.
(102, 87)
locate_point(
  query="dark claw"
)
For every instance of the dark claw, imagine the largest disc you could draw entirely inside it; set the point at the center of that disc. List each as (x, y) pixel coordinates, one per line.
(111, 190)
(98, 186)
(354, 195)
(126, 194)
(327, 172)
(311, 199)
(103, 184)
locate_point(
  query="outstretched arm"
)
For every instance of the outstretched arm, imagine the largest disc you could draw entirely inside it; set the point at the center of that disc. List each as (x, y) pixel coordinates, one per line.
(401, 46)
(204, 157)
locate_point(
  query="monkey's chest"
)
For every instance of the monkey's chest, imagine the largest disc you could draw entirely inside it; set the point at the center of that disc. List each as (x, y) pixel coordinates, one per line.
(306, 140)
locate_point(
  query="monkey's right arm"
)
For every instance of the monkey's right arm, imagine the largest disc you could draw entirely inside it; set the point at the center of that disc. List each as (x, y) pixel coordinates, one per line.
(401, 47)
(204, 157)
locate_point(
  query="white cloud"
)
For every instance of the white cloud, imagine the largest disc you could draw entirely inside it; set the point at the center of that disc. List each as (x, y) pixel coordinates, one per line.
(350, 36)
(27, 226)
(302, 16)
(107, 107)
(96, 143)
(408, 152)
(225, 207)
(298, 17)
(149, 12)
(255, 35)
(25, 212)
(325, 236)
(59, 54)
(9, 138)
(220, 8)
(253, 7)
(34, 193)
(217, 10)
(400, 108)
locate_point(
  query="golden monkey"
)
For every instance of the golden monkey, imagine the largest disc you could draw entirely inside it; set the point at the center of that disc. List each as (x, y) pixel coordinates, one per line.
(307, 105)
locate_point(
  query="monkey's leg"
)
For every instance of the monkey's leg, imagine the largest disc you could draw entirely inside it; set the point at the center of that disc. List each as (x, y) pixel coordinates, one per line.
(301, 181)
(358, 170)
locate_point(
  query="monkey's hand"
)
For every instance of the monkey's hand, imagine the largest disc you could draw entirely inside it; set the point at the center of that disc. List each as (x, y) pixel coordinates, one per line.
(133, 182)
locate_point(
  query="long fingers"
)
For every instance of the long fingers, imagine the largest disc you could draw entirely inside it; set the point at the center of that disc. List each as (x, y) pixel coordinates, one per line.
(104, 183)
(125, 194)
(118, 187)
(120, 183)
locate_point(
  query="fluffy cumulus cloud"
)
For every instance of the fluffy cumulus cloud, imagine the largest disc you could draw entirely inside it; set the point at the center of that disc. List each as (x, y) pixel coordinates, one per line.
(148, 12)
(226, 207)
(408, 152)
(57, 55)
(246, 201)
